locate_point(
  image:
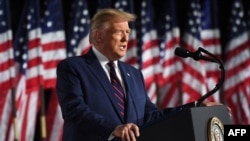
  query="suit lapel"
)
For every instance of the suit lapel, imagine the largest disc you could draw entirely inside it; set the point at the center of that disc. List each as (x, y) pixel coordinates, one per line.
(97, 70)
(130, 106)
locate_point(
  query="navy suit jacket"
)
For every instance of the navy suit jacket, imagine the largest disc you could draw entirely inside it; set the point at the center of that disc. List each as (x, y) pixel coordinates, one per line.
(87, 102)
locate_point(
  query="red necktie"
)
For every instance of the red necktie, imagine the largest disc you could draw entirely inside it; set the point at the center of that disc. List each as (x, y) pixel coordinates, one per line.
(118, 90)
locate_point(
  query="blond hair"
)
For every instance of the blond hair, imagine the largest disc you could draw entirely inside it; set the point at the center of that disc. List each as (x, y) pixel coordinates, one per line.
(105, 16)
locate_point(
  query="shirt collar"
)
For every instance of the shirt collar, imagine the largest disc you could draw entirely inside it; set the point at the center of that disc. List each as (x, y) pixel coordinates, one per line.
(102, 59)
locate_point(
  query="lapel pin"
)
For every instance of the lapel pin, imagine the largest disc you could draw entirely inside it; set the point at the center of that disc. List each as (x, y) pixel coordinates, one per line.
(128, 74)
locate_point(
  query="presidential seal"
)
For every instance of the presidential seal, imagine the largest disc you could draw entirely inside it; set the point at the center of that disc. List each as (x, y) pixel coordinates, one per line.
(215, 130)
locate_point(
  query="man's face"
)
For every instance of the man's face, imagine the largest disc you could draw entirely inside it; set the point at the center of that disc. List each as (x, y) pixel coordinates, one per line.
(115, 40)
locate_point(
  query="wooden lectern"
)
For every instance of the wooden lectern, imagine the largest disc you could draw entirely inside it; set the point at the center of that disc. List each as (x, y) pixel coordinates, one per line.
(191, 124)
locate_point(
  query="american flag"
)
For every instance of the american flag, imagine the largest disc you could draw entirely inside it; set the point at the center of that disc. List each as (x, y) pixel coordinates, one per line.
(78, 29)
(237, 64)
(104, 4)
(150, 52)
(131, 56)
(53, 40)
(193, 83)
(210, 35)
(247, 4)
(27, 54)
(54, 119)
(169, 39)
(54, 50)
(7, 70)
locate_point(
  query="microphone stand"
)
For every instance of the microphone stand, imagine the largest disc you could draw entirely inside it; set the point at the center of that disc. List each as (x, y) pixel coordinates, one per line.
(221, 81)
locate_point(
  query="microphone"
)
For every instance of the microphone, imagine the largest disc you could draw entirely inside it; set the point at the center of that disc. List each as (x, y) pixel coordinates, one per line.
(184, 53)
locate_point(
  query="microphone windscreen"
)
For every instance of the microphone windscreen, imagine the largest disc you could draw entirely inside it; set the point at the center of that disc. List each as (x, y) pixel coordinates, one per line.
(182, 52)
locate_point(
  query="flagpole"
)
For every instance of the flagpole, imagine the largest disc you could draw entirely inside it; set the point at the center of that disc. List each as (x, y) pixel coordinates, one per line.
(42, 115)
(13, 99)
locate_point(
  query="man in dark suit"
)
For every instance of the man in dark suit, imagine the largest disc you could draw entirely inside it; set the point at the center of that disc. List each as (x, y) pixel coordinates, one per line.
(91, 106)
